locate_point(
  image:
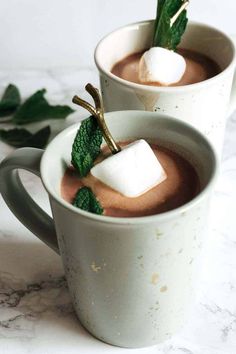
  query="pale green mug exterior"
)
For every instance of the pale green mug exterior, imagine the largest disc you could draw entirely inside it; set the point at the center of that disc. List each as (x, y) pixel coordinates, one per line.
(131, 280)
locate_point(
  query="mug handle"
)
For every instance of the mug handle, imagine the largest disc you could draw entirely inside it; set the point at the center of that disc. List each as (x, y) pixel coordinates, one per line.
(19, 201)
(232, 103)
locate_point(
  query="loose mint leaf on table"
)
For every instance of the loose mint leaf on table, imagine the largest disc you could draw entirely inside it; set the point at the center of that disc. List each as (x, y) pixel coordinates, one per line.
(86, 146)
(166, 35)
(10, 101)
(36, 108)
(40, 138)
(86, 200)
(14, 137)
(21, 137)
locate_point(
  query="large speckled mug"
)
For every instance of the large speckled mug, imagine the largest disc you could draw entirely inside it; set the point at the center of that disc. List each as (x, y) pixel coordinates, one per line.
(205, 105)
(131, 280)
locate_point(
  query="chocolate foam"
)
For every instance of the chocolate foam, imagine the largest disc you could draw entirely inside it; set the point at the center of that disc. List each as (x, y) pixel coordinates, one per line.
(198, 68)
(181, 185)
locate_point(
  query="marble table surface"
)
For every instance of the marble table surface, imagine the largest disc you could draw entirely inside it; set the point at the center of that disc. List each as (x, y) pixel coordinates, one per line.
(36, 315)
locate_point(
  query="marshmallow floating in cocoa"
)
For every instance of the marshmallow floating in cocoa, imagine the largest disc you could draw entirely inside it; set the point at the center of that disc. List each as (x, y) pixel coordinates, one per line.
(131, 172)
(161, 65)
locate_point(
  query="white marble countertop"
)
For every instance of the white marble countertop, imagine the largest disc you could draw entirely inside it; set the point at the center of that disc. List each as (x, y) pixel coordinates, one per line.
(36, 315)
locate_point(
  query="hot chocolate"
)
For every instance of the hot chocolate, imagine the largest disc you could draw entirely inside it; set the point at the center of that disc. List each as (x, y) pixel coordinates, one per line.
(199, 67)
(180, 187)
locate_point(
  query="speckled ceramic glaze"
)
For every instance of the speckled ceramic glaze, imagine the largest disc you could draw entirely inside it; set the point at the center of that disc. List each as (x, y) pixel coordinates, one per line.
(205, 105)
(131, 279)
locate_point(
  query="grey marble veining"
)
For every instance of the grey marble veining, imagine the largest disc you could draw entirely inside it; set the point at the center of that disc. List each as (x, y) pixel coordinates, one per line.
(23, 303)
(36, 314)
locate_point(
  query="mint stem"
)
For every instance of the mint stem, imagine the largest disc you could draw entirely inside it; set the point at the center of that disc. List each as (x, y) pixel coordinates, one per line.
(182, 8)
(98, 113)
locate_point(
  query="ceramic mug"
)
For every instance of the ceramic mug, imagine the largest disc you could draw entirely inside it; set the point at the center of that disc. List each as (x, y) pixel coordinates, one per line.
(204, 105)
(130, 279)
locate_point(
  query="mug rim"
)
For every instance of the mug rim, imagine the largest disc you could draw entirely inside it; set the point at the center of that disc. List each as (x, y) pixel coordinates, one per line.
(140, 220)
(159, 89)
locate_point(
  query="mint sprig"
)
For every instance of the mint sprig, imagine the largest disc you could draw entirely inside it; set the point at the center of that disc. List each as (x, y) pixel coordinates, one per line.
(86, 146)
(10, 101)
(36, 108)
(167, 34)
(21, 137)
(85, 149)
(86, 200)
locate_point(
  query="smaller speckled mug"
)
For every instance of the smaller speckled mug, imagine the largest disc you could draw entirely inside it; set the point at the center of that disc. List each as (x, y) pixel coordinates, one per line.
(205, 105)
(131, 279)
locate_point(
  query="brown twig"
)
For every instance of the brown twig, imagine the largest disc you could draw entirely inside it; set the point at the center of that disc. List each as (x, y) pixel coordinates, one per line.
(98, 113)
(181, 9)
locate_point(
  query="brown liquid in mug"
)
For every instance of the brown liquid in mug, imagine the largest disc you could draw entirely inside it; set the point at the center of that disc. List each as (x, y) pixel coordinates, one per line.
(181, 185)
(199, 67)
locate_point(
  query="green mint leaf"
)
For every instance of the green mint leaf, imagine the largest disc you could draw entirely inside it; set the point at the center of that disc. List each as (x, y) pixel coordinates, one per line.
(40, 138)
(10, 101)
(36, 108)
(160, 5)
(14, 137)
(86, 146)
(86, 200)
(165, 35)
(22, 137)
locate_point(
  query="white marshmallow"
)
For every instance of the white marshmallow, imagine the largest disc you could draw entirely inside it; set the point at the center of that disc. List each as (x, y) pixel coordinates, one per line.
(161, 65)
(132, 171)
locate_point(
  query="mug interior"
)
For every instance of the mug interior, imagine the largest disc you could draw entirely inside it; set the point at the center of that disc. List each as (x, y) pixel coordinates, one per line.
(127, 125)
(137, 37)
